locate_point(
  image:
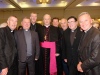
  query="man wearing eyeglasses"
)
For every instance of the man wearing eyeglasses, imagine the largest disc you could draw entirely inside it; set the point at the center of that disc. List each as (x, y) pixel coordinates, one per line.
(72, 39)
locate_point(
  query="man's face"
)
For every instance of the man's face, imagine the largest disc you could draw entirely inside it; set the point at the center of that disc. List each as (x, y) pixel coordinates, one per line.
(25, 24)
(46, 20)
(12, 22)
(33, 17)
(55, 22)
(63, 24)
(85, 21)
(72, 23)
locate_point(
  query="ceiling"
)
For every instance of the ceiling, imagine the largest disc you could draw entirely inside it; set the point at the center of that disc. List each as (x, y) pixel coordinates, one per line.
(35, 4)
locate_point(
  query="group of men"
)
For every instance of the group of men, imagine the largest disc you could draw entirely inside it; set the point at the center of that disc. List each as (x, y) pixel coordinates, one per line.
(41, 50)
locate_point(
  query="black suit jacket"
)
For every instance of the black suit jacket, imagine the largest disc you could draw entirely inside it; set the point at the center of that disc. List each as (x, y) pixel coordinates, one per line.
(22, 47)
(62, 42)
(72, 50)
(36, 27)
(89, 51)
(7, 48)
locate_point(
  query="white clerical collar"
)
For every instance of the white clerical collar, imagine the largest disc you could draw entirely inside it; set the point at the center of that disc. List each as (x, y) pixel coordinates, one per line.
(87, 30)
(11, 30)
(26, 29)
(74, 29)
(46, 26)
(33, 24)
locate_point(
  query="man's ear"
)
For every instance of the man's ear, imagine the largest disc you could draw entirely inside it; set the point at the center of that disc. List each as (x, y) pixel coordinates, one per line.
(92, 21)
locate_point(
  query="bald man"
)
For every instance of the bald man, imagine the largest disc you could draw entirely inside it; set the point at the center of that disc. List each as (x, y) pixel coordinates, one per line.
(49, 34)
(64, 30)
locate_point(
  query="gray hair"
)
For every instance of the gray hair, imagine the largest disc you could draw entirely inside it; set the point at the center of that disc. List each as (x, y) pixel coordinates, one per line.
(10, 17)
(83, 13)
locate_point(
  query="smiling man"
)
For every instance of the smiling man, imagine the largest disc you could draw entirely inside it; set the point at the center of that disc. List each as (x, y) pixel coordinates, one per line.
(89, 48)
(8, 48)
(72, 39)
(28, 48)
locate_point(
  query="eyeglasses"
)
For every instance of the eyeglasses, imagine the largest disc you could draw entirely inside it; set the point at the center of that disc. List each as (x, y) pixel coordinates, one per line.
(71, 22)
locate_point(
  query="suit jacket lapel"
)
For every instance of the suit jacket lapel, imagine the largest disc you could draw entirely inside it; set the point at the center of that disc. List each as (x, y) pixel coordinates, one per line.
(69, 38)
(77, 36)
(10, 36)
(32, 35)
(23, 36)
(87, 38)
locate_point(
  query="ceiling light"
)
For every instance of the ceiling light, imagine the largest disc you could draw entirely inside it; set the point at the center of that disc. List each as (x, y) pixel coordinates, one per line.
(44, 1)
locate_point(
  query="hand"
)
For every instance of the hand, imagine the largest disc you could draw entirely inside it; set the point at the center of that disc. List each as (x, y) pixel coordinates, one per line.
(4, 71)
(65, 60)
(79, 68)
(57, 54)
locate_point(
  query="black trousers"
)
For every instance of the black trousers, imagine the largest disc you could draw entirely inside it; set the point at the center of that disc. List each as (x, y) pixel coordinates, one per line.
(29, 64)
(13, 70)
(73, 69)
(59, 65)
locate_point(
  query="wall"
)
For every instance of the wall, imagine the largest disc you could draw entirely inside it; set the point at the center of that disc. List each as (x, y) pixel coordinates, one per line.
(95, 13)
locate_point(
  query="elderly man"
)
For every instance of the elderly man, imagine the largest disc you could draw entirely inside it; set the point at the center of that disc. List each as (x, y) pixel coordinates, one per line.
(8, 48)
(49, 48)
(89, 48)
(64, 30)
